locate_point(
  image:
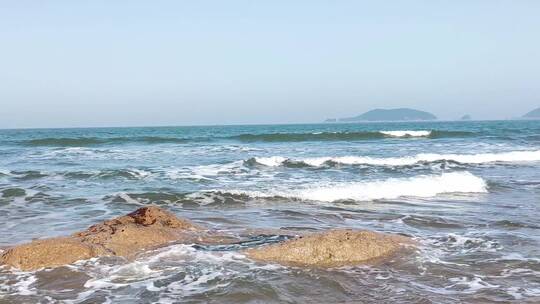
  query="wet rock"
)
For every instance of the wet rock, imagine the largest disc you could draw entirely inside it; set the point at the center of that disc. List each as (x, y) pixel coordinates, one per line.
(142, 229)
(331, 249)
(146, 228)
(48, 252)
(152, 227)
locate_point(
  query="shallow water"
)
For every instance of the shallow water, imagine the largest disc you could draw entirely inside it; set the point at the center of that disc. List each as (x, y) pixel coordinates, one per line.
(468, 192)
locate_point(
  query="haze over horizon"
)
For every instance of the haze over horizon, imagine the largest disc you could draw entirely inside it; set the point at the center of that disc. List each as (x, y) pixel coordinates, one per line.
(131, 63)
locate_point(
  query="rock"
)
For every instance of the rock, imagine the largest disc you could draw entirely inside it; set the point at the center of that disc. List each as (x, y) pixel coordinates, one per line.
(146, 228)
(142, 229)
(331, 249)
(47, 253)
(152, 227)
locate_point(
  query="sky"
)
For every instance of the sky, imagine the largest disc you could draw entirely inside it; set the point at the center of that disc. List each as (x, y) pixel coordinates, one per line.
(144, 63)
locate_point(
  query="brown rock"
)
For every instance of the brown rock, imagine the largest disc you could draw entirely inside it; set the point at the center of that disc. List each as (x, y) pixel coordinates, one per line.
(142, 229)
(331, 249)
(151, 227)
(147, 227)
(49, 252)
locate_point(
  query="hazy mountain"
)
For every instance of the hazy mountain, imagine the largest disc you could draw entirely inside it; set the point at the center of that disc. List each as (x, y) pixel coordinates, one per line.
(402, 114)
(533, 114)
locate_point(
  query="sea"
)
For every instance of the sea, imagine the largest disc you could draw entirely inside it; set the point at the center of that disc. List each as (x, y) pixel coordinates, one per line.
(467, 192)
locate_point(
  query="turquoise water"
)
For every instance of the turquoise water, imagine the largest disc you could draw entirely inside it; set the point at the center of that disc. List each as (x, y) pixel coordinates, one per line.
(468, 192)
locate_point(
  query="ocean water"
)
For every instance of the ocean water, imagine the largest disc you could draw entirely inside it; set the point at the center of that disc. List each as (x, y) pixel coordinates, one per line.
(467, 192)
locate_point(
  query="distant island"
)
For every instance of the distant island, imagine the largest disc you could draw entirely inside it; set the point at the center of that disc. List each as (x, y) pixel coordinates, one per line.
(533, 114)
(466, 117)
(402, 114)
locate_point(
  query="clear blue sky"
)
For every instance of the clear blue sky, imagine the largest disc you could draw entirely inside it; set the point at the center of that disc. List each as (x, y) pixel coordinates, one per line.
(118, 63)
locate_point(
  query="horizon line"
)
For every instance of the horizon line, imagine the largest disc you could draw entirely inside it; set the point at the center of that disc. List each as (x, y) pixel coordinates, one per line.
(268, 124)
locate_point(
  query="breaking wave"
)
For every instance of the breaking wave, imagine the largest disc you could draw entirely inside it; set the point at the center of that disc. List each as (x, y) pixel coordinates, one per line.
(344, 136)
(513, 156)
(248, 137)
(406, 133)
(420, 186)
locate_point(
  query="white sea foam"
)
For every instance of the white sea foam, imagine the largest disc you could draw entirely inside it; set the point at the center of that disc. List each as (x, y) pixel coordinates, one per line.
(24, 285)
(233, 148)
(206, 172)
(168, 270)
(138, 173)
(512, 156)
(218, 169)
(273, 161)
(184, 174)
(456, 243)
(420, 186)
(520, 292)
(470, 285)
(406, 133)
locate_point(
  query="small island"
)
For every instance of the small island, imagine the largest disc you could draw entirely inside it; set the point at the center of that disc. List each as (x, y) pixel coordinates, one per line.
(401, 114)
(534, 114)
(466, 117)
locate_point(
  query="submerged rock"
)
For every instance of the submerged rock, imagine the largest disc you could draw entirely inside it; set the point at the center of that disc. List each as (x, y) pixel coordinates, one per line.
(146, 228)
(331, 249)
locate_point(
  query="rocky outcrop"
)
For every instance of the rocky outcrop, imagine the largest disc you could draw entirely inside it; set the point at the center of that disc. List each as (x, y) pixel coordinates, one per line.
(331, 249)
(146, 228)
(48, 253)
(152, 227)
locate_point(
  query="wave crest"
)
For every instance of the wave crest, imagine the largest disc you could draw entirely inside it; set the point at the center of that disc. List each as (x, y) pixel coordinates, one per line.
(513, 156)
(406, 133)
(420, 186)
(248, 137)
(346, 136)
